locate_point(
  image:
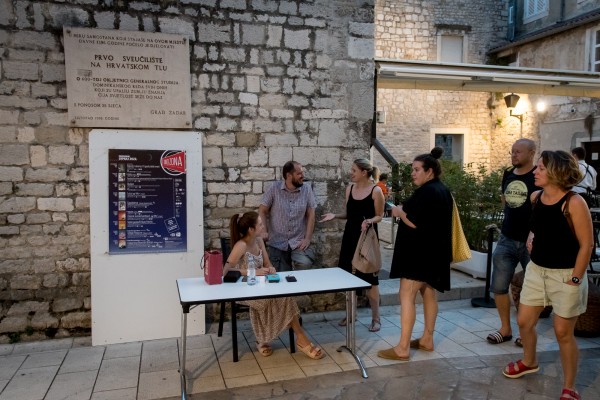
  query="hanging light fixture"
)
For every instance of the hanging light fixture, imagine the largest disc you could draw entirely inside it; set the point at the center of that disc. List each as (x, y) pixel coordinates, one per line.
(511, 101)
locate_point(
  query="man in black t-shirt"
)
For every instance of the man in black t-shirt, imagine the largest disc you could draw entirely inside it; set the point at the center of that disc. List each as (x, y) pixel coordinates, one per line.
(517, 186)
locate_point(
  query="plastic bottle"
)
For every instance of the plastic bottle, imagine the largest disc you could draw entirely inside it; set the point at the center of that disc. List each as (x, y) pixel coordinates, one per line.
(251, 273)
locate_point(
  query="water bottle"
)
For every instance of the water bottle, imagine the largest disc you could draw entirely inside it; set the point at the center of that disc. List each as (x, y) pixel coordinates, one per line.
(251, 272)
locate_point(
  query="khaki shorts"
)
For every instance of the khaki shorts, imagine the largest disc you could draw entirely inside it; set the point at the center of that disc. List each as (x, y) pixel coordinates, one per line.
(547, 287)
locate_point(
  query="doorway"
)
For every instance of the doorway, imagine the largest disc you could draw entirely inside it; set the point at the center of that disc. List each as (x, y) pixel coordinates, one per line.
(453, 145)
(592, 156)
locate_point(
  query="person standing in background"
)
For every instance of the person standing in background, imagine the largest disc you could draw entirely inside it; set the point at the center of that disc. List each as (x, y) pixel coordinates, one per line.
(364, 207)
(517, 186)
(588, 182)
(422, 253)
(288, 209)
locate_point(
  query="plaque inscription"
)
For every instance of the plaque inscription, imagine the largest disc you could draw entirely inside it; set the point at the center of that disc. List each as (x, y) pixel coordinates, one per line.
(127, 79)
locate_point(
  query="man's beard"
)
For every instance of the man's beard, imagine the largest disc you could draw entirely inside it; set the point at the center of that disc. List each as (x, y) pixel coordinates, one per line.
(297, 183)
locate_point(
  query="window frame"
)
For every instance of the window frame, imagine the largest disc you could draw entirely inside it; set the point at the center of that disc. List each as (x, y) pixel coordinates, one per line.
(540, 10)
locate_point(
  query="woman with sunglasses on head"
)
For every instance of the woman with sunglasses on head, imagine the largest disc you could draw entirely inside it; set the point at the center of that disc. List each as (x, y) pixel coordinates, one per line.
(560, 243)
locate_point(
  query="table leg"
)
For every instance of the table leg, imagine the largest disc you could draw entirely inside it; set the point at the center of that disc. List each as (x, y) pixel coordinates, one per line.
(183, 351)
(351, 331)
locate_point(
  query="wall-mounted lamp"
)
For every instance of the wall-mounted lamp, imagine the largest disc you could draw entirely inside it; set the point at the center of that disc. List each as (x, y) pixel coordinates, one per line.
(380, 117)
(511, 101)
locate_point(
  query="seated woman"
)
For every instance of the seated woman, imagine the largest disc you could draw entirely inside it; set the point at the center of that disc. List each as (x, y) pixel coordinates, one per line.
(269, 317)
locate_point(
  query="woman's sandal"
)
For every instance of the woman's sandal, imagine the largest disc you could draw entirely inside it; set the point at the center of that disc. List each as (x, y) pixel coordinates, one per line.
(343, 322)
(518, 369)
(568, 394)
(375, 325)
(312, 351)
(264, 349)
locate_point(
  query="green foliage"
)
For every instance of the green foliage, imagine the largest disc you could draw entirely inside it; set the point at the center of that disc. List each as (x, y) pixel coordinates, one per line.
(14, 337)
(477, 194)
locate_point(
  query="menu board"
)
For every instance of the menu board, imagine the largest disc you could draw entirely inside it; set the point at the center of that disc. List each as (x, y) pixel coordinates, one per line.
(147, 201)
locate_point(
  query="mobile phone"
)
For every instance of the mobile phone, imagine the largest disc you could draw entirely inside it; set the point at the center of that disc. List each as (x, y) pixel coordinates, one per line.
(290, 278)
(273, 278)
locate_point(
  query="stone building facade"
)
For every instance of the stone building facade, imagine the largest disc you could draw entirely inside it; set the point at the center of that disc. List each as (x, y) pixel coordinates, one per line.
(271, 81)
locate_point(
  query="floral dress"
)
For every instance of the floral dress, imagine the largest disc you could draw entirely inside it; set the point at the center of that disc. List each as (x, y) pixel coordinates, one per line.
(269, 317)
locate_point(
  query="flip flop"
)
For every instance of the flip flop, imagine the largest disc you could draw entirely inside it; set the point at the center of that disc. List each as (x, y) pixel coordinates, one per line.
(415, 344)
(497, 338)
(518, 342)
(375, 326)
(518, 369)
(390, 354)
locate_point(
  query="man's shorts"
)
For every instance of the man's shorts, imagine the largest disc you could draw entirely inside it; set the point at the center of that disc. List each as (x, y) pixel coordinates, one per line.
(548, 287)
(290, 260)
(507, 255)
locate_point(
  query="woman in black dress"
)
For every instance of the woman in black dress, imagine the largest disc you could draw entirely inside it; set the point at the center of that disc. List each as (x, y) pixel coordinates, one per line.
(422, 253)
(364, 206)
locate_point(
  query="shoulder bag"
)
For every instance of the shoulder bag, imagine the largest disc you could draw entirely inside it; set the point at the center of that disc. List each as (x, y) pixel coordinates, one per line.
(460, 246)
(367, 256)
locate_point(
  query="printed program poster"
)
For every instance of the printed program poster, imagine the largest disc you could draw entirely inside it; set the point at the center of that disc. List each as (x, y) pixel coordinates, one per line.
(147, 201)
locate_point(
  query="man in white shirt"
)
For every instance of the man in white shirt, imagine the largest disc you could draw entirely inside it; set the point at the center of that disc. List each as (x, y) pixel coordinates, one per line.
(588, 172)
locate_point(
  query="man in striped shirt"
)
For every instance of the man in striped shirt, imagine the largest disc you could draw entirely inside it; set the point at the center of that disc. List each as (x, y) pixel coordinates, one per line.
(288, 213)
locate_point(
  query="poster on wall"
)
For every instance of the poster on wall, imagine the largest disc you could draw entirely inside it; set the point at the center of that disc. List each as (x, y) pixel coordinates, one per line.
(147, 201)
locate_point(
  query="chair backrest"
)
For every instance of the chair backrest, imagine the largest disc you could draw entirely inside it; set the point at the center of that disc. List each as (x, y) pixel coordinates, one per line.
(225, 248)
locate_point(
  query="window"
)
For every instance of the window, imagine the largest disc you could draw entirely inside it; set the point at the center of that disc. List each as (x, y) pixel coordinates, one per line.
(450, 49)
(595, 51)
(534, 9)
(452, 145)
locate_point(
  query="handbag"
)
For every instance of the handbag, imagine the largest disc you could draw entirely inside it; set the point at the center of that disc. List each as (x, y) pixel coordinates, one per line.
(213, 267)
(367, 256)
(460, 246)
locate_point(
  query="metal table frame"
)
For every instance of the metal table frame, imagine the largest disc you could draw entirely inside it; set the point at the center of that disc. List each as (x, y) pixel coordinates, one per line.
(194, 291)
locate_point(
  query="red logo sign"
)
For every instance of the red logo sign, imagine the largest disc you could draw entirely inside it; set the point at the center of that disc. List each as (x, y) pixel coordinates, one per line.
(173, 163)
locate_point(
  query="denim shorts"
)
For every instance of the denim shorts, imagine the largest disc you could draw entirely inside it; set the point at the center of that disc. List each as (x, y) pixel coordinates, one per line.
(507, 255)
(548, 287)
(290, 260)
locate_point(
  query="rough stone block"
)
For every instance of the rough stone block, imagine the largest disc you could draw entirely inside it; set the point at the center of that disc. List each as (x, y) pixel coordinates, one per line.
(214, 33)
(9, 117)
(38, 218)
(8, 134)
(229, 188)
(9, 230)
(14, 154)
(16, 219)
(18, 70)
(38, 156)
(235, 157)
(61, 154)
(26, 307)
(46, 174)
(6, 188)
(248, 98)
(55, 204)
(66, 304)
(44, 320)
(13, 324)
(77, 320)
(11, 174)
(296, 39)
(82, 279)
(17, 205)
(19, 282)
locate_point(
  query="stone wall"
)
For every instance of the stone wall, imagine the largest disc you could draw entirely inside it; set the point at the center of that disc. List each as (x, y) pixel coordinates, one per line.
(271, 81)
(409, 30)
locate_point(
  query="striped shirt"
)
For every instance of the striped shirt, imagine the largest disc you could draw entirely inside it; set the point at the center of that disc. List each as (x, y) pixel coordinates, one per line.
(287, 214)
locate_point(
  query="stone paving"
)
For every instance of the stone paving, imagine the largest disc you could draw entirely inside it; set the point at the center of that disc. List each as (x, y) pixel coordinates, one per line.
(463, 365)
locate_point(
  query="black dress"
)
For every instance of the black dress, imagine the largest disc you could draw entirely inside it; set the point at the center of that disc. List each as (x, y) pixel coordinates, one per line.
(356, 212)
(424, 253)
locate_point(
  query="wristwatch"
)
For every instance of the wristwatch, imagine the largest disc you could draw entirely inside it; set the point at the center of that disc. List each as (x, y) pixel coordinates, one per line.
(575, 280)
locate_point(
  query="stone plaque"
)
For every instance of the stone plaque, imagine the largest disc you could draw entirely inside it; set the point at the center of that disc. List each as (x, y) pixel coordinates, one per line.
(125, 79)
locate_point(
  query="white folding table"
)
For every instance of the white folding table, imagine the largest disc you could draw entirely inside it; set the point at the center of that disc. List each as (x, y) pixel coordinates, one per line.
(195, 291)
